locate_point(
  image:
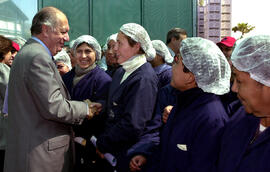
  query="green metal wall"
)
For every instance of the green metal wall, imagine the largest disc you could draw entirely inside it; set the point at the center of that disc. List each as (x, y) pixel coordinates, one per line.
(101, 18)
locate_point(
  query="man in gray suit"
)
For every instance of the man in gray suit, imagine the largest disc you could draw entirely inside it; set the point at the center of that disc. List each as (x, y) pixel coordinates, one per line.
(40, 112)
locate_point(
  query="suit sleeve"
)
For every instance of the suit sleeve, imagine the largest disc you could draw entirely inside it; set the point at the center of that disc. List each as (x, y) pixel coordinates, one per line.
(4, 76)
(49, 94)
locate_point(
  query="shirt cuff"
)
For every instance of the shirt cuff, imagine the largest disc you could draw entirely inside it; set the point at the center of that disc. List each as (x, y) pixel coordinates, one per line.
(87, 110)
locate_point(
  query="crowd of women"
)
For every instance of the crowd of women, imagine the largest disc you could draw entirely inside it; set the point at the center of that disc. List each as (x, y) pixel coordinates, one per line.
(166, 112)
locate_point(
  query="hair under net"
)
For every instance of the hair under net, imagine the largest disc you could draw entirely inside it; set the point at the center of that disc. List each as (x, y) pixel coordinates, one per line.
(91, 41)
(162, 50)
(71, 43)
(63, 57)
(137, 33)
(252, 55)
(111, 37)
(208, 64)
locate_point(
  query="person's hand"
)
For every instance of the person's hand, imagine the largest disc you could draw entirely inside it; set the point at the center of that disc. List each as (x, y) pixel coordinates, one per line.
(94, 108)
(101, 155)
(166, 112)
(137, 162)
(97, 107)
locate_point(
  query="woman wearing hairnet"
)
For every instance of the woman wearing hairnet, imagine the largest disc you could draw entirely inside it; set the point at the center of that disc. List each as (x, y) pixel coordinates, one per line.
(246, 140)
(132, 95)
(111, 59)
(141, 151)
(190, 139)
(160, 63)
(87, 81)
(62, 61)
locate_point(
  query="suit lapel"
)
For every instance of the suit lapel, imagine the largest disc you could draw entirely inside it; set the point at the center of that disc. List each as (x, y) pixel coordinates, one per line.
(63, 84)
(58, 77)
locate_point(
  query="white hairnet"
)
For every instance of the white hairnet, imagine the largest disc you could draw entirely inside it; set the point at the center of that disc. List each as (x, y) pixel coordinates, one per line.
(111, 37)
(105, 47)
(208, 64)
(137, 33)
(252, 55)
(162, 50)
(91, 41)
(63, 57)
(71, 43)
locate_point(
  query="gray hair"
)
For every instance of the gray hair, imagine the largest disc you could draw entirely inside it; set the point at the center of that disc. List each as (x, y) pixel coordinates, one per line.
(46, 16)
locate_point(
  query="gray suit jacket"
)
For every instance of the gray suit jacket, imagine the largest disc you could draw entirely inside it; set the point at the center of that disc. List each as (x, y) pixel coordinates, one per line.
(4, 75)
(40, 114)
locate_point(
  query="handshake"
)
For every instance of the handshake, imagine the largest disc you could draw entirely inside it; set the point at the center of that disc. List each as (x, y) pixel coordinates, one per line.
(94, 108)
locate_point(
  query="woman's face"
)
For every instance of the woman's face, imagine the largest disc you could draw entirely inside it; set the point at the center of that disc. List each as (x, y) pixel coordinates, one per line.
(13, 54)
(227, 51)
(180, 80)
(253, 95)
(7, 58)
(111, 54)
(123, 50)
(85, 56)
(62, 68)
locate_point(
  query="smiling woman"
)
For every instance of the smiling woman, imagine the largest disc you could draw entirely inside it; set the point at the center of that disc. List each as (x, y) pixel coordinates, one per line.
(245, 142)
(87, 81)
(85, 55)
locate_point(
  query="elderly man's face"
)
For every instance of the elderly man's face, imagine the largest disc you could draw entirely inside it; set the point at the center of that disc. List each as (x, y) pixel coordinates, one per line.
(56, 37)
(253, 95)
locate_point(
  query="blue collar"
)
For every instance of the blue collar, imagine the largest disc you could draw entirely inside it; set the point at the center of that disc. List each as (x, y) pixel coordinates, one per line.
(159, 69)
(38, 40)
(171, 51)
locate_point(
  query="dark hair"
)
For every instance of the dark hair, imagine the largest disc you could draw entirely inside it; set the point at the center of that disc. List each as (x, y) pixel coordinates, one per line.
(131, 42)
(87, 45)
(47, 16)
(174, 33)
(5, 46)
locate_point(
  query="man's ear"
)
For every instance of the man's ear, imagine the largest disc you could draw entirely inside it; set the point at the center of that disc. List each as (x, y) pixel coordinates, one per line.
(45, 30)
